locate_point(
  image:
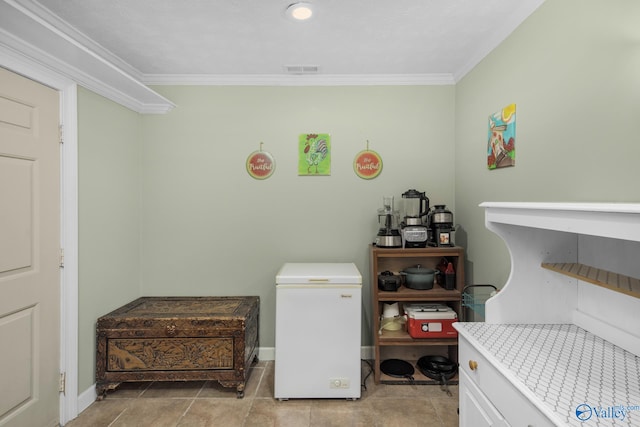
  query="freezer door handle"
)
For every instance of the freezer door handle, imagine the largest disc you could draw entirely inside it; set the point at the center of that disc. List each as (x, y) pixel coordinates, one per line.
(318, 280)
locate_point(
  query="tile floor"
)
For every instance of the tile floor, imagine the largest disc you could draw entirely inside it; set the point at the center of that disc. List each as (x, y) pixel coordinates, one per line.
(205, 403)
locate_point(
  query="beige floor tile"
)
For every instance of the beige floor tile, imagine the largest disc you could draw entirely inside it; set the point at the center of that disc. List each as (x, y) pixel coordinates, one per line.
(402, 412)
(265, 388)
(255, 377)
(275, 413)
(207, 403)
(447, 410)
(341, 412)
(100, 414)
(158, 412)
(216, 412)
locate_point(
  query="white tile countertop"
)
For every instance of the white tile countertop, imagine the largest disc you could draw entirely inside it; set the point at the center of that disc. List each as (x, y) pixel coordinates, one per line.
(561, 368)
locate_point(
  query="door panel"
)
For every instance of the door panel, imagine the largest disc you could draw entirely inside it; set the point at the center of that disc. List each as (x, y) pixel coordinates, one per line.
(16, 369)
(15, 218)
(29, 252)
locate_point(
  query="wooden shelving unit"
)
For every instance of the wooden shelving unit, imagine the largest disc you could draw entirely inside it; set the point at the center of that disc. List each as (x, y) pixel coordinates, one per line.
(399, 344)
(607, 279)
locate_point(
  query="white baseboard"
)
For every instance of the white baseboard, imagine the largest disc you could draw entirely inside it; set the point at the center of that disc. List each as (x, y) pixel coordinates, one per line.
(87, 397)
(267, 353)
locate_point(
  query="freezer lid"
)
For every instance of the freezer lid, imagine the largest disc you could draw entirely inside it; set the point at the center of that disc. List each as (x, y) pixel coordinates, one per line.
(318, 273)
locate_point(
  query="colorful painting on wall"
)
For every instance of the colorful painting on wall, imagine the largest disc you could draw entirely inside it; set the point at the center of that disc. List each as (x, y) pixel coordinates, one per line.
(501, 147)
(314, 154)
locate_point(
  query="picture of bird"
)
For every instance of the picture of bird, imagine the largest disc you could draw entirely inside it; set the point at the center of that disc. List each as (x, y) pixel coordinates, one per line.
(316, 150)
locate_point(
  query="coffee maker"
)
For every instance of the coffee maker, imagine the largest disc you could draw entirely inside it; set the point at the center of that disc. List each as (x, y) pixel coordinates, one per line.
(388, 234)
(415, 231)
(441, 226)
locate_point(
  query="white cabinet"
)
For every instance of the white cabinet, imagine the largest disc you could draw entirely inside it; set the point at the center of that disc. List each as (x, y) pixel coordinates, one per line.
(568, 308)
(486, 391)
(475, 408)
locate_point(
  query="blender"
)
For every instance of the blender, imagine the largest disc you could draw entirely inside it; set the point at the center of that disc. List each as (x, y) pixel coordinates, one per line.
(414, 229)
(388, 234)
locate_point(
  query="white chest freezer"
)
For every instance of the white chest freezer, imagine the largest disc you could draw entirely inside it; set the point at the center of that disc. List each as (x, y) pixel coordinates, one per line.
(318, 331)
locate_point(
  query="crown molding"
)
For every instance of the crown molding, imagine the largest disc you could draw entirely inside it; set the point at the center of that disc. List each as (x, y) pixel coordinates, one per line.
(299, 80)
(30, 30)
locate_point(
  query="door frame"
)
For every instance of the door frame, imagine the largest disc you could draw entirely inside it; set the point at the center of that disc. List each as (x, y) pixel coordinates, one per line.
(67, 89)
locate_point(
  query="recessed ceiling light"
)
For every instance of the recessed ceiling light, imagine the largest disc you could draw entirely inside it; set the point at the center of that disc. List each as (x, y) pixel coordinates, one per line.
(300, 11)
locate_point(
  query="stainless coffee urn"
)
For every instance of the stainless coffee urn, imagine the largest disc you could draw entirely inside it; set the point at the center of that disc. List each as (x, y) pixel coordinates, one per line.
(441, 226)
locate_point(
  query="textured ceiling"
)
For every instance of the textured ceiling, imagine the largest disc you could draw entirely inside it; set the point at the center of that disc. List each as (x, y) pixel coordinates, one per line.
(254, 37)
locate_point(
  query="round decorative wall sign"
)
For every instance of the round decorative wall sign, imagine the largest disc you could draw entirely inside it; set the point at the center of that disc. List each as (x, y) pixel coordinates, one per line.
(260, 164)
(367, 164)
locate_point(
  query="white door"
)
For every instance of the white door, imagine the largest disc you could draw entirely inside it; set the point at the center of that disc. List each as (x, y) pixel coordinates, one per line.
(29, 252)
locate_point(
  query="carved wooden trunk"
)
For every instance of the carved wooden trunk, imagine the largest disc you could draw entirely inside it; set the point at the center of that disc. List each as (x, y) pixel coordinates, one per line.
(178, 339)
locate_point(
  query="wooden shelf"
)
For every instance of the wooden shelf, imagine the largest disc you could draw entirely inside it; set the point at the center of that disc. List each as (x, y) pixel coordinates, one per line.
(403, 338)
(607, 279)
(438, 293)
(440, 251)
(399, 344)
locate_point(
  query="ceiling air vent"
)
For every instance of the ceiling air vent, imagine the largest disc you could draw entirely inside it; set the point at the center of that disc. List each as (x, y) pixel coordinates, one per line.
(301, 69)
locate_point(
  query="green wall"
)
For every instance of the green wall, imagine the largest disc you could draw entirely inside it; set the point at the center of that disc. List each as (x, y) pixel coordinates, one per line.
(573, 71)
(109, 217)
(167, 208)
(210, 229)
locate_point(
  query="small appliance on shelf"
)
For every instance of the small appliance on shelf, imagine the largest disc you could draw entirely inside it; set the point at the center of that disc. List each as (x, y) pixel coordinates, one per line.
(441, 226)
(388, 234)
(415, 232)
(430, 320)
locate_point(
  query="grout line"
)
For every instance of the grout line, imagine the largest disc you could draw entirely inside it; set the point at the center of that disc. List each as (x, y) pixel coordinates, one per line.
(116, 418)
(149, 384)
(246, 417)
(264, 371)
(185, 411)
(200, 391)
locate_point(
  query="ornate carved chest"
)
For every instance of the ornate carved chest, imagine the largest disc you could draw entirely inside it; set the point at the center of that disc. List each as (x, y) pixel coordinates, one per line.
(178, 339)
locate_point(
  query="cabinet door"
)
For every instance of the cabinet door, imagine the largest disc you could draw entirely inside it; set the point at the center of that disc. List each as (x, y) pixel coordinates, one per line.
(475, 409)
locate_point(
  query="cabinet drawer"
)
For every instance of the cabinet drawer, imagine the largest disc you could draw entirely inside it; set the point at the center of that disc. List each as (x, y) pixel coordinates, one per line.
(475, 408)
(483, 373)
(507, 399)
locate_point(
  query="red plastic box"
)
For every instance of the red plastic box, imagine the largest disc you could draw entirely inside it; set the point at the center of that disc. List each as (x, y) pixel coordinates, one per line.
(430, 321)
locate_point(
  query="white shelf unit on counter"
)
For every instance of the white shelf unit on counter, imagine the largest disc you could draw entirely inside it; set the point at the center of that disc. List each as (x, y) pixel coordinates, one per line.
(603, 236)
(573, 285)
